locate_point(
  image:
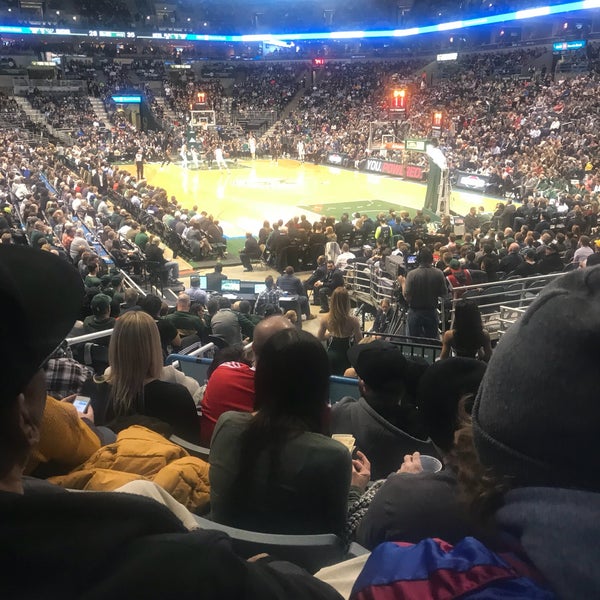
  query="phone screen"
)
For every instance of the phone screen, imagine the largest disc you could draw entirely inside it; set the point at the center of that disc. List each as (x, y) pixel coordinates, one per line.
(81, 403)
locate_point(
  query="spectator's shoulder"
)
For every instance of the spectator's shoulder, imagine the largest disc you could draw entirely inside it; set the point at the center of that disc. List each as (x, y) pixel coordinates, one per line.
(344, 404)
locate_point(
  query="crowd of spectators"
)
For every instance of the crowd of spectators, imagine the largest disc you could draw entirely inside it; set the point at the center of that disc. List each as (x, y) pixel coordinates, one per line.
(274, 466)
(530, 137)
(266, 87)
(180, 95)
(513, 130)
(539, 237)
(335, 114)
(66, 111)
(14, 117)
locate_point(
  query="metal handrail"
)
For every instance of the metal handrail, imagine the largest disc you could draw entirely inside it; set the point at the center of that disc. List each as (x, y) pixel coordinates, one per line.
(492, 303)
(194, 353)
(507, 316)
(89, 337)
(524, 280)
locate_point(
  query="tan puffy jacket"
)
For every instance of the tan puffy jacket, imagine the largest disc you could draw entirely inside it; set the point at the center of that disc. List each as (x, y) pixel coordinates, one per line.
(140, 453)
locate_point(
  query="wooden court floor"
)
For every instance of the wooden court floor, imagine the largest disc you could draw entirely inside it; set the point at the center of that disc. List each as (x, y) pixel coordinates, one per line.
(244, 196)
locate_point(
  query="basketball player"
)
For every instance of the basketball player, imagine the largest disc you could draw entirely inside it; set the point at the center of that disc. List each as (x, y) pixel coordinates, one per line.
(195, 162)
(183, 154)
(166, 159)
(275, 150)
(252, 147)
(300, 147)
(219, 159)
(139, 164)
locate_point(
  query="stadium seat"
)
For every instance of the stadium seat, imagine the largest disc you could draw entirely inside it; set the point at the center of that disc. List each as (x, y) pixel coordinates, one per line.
(312, 552)
(193, 449)
(340, 387)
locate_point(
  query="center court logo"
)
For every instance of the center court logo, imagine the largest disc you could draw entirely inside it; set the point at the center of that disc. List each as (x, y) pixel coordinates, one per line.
(265, 183)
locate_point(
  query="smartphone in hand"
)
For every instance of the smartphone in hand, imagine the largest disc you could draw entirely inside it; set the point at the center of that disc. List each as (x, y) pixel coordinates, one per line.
(81, 403)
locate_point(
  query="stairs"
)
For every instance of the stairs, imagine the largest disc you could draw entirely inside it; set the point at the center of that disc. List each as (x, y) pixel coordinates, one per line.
(99, 110)
(36, 116)
(290, 107)
(168, 112)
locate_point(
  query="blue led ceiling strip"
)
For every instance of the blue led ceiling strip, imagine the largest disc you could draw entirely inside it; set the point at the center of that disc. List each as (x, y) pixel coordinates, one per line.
(336, 35)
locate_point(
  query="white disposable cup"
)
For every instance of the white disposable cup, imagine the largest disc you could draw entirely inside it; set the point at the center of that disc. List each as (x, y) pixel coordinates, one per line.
(430, 464)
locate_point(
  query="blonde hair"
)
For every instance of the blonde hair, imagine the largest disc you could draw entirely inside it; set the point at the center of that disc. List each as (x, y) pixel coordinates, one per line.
(135, 356)
(339, 311)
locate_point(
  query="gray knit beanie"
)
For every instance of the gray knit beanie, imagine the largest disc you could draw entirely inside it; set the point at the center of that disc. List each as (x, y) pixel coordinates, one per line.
(536, 417)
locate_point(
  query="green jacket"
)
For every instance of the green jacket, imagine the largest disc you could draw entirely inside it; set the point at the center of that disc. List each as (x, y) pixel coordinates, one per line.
(141, 239)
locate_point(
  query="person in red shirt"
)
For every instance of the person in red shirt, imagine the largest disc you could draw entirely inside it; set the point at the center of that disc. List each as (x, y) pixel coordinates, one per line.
(231, 385)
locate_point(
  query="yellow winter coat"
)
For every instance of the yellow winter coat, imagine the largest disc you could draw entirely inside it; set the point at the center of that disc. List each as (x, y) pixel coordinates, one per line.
(140, 453)
(65, 441)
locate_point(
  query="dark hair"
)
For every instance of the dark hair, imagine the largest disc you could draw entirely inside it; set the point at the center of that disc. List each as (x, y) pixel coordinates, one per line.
(151, 304)
(291, 395)
(224, 302)
(228, 354)
(218, 268)
(212, 306)
(196, 308)
(468, 328)
(425, 256)
(281, 386)
(442, 400)
(272, 310)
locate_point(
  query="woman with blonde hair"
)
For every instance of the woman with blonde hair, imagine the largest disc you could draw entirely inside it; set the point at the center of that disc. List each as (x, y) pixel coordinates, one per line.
(131, 392)
(340, 329)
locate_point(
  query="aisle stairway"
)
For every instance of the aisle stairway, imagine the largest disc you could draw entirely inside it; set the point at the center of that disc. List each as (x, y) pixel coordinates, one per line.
(291, 106)
(37, 116)
(167, 110)
(99, 109)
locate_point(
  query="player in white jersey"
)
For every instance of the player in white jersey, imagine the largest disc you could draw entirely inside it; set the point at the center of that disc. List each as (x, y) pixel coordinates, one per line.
(252, 146)
(195, 163)
(183, 154)
(219, 159)
(300, 148)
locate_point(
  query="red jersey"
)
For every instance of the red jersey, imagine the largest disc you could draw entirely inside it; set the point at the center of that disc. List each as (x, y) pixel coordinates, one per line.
(230, 387)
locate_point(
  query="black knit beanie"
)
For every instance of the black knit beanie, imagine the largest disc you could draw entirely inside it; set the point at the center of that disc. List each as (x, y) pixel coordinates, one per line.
(536, 417)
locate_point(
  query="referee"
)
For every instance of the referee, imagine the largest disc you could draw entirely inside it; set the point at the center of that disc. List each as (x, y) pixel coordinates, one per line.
(139, 164)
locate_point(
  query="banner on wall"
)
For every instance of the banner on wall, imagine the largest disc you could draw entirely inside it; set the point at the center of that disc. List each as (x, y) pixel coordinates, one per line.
(386, 167)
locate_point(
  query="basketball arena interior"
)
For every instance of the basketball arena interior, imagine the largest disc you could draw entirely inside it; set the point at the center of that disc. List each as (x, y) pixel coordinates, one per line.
(292, 286)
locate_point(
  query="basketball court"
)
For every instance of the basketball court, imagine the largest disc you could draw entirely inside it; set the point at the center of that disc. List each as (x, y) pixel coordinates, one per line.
(250, 192)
